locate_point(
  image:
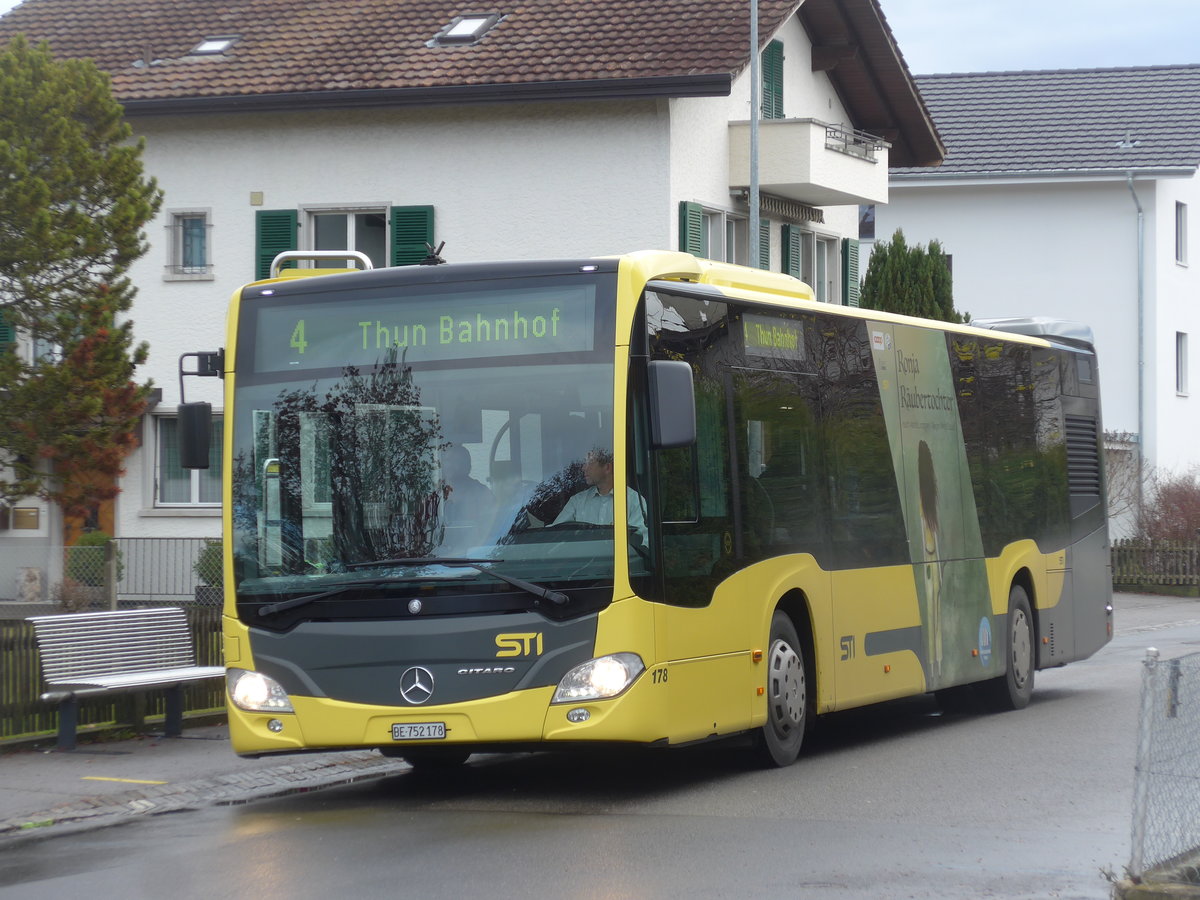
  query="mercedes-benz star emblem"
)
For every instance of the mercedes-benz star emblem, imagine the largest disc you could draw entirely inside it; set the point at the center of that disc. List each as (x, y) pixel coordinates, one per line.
(414, 606)
(416, 685)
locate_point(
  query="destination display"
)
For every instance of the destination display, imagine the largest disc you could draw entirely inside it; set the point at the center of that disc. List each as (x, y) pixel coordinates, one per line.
(773, 338)
(451, 326)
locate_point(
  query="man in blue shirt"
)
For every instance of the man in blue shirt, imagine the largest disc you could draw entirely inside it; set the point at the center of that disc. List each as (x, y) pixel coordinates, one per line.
(594, 504)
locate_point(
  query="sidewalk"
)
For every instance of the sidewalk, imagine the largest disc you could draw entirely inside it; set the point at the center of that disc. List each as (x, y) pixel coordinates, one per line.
(47, 793)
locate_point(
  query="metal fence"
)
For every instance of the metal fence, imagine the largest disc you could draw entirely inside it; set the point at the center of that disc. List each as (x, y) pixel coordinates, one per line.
(174, 570)
(1166, 796)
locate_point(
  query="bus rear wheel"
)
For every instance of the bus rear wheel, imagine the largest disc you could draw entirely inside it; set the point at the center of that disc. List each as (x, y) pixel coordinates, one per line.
(1014, 688)
(778, 743)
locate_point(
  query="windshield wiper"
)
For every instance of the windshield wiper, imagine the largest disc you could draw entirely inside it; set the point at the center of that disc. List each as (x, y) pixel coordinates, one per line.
(558, 598)
(283, 605)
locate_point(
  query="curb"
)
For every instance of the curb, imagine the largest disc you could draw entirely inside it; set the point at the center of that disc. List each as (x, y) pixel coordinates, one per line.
(223, 790)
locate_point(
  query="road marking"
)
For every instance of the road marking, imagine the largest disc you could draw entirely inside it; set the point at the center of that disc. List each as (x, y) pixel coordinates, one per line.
(125, 780)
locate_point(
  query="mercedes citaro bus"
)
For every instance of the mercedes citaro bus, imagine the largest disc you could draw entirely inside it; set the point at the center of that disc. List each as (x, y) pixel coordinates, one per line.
(793, 507)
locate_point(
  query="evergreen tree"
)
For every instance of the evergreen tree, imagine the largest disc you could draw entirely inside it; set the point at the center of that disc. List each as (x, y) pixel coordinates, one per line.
(73, 201)
(912, 281)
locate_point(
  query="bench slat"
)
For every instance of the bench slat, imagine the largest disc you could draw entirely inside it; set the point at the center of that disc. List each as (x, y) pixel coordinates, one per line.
(118, 650)
(81, 648)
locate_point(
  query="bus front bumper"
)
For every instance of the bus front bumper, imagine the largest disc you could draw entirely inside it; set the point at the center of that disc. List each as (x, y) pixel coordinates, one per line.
(519, 719)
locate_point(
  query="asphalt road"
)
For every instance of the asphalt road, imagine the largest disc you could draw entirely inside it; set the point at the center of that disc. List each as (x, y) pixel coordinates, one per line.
(900, 800)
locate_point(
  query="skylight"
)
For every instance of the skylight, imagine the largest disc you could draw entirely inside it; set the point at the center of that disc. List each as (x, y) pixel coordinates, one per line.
(213, 45)
(466, 29)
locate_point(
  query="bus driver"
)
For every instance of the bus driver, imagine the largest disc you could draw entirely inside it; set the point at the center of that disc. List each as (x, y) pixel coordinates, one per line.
(594, 504)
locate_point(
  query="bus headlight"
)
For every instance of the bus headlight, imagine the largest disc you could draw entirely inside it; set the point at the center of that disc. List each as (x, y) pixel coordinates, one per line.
(255, 692)
(599, 679)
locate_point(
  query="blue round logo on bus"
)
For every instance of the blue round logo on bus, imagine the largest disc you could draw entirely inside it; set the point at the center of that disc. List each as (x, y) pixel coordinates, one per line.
(985, 641)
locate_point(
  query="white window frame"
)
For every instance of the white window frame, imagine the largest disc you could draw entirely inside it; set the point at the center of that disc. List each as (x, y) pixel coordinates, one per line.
(175, 269)
(727, 235)
(308, 228)
(193, 501)
(826, 263)
(1181, 241)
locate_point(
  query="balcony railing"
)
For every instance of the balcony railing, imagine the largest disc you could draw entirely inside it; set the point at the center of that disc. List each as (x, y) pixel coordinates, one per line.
(856, 143)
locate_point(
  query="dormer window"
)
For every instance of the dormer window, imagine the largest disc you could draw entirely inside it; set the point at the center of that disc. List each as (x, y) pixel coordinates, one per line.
(467, 29)
(211, 46)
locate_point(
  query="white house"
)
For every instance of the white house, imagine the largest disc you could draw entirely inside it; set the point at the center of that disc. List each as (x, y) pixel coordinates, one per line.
(533, 130)
(1067, 193)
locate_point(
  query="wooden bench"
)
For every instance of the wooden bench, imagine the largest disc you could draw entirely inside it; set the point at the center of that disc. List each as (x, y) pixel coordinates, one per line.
(125, 651)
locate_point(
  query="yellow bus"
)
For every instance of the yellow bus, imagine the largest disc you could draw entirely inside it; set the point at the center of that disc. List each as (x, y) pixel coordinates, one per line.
(821, 507)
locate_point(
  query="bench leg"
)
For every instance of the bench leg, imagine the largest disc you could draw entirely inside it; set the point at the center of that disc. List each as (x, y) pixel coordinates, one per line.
(68, 721)
(173, 724)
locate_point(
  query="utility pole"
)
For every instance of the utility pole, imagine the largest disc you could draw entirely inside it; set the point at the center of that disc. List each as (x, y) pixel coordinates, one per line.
(755, 86)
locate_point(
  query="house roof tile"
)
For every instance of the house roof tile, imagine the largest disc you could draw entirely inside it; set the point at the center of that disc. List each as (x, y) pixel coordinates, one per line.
(314, 54)
(1064, 122)
(301, 46)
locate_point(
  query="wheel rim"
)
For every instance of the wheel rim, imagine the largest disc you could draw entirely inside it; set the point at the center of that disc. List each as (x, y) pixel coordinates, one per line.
(786, 689)
(1021, 644)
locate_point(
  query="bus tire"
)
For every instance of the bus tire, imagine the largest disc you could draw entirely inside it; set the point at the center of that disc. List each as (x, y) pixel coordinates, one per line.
(1014, 688)
(788, 706)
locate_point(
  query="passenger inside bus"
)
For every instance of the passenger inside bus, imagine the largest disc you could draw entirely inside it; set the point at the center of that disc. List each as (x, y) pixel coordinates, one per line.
(470, 506)
(594, 504)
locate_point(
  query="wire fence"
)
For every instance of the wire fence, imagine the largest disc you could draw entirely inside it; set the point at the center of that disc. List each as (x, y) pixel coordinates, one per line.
(172, 570)
(1166, 796)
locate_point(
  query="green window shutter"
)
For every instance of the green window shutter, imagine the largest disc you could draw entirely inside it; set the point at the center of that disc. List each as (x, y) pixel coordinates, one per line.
(764, 244)
(412, 232)
(8, 334)
(276, 230)
(772, 81)
(692, 238)
(791, 250)
(851, 287)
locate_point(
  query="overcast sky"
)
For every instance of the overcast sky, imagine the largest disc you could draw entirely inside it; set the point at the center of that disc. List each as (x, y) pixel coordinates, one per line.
(1005, 35)
(1010, 35)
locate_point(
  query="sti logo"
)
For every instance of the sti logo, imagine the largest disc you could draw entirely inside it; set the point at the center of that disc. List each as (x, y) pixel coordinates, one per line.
(881, 340)
(526, 644)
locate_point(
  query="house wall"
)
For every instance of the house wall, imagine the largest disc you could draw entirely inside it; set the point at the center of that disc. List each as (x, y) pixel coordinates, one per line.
(1061, 250)
(1177, 309)
(1069, 250)
(38, 549)
(699, 132)
(516, 181)
(512, 181)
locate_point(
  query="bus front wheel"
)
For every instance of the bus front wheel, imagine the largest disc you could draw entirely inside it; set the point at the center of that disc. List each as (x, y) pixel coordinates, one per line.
(1014, 688)
(787, 696)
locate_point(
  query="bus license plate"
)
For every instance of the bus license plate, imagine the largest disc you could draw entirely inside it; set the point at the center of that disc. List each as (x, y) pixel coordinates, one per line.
(419, 731)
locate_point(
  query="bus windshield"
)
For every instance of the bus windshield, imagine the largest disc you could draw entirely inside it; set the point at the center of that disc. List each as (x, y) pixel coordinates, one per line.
(376, 436)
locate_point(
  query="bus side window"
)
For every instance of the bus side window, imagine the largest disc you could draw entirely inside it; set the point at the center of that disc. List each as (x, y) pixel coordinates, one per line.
(867, 528)
(782, 491)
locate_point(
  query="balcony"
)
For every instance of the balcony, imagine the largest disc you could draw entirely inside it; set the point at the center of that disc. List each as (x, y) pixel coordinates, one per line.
(811, 162)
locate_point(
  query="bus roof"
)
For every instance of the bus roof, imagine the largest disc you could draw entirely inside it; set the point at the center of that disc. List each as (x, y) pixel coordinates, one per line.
(1074, 333)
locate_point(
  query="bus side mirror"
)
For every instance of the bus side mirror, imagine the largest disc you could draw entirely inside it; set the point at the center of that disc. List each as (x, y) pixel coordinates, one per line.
(195, 432)
(672, 404)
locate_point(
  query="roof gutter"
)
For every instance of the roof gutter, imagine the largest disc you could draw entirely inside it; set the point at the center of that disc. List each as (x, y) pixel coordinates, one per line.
(702, 85)
(936, 177)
